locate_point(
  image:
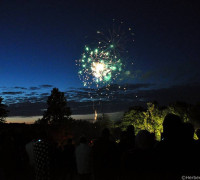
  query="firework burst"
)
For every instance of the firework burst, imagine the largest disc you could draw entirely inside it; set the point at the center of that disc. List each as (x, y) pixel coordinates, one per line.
(99, 67)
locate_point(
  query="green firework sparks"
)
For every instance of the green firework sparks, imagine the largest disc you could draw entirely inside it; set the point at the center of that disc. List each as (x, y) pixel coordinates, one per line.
(99, 66)
(107, 62)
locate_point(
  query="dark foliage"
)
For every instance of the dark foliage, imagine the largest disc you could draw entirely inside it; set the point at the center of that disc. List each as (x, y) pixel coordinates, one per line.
(57, 110)
(3, 111)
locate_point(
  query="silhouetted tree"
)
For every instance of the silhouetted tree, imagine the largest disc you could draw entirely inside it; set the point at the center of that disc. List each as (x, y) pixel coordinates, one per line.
(181, 109)
(135, 116)
(150, 119)
(57, 109)
(154, 117)
(3, 112)
(104, 121)
(41, 121)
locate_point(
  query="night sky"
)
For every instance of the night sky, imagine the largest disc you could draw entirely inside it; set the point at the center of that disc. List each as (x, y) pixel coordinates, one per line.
(40, 41)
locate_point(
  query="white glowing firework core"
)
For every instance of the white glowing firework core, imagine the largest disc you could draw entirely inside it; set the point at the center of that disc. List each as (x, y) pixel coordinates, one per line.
(99, 70)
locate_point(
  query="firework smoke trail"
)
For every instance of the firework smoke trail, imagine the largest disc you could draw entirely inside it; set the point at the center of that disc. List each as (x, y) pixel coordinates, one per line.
(95, 116)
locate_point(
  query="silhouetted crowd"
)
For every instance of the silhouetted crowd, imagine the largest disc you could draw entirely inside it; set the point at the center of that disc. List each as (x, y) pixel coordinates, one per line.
(51, 155)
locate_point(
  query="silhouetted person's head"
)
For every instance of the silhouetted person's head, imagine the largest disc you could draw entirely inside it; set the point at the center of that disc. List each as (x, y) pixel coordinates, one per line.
(187, 132)
(144, 140)
(198, 133)
(130, 130)
(83, 140)
(105, 133)
(69, 141)
(54, 133)
(123, 136)
(153, 136)
(172, 127)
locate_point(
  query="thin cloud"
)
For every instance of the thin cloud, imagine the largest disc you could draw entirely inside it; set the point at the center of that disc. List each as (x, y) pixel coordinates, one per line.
(34, 88)
(45, 94)
(12, 93)
(22, 88)
(46, 86)
(84, 100)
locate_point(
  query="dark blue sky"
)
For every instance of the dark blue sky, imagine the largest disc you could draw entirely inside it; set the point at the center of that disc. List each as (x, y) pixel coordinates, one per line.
(40, 41)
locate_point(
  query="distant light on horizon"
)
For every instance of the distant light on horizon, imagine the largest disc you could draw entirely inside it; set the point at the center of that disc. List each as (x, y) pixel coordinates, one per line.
(90, 117)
